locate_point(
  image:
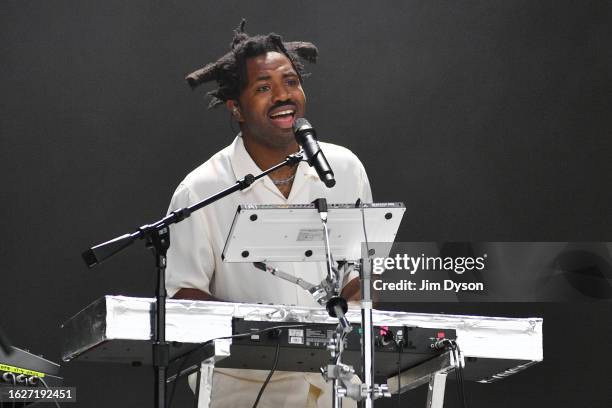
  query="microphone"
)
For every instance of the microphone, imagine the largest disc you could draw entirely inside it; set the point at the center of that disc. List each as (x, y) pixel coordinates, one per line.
(306, 137)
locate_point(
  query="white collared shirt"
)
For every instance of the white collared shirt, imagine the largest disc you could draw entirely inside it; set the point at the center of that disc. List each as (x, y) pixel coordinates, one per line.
(196, 244)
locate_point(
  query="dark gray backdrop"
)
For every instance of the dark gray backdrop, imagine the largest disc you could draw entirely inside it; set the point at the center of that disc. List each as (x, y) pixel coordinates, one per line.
(489, 119)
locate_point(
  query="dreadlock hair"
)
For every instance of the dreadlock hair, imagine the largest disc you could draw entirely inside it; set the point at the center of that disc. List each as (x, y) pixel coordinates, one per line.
(230, 72)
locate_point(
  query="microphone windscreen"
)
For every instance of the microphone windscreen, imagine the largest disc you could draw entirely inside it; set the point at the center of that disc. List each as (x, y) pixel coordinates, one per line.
(299, 126)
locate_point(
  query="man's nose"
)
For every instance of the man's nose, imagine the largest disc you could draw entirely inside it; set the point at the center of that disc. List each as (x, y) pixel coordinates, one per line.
(281, 93)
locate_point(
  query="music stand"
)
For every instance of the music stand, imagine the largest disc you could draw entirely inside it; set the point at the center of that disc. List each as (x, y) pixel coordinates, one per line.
(293, 233)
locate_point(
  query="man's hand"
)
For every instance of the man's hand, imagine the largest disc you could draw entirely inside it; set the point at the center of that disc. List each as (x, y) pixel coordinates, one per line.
(352, 290)
(193, 294)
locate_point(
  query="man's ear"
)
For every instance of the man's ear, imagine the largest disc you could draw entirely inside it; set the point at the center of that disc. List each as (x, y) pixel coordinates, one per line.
(234, 108)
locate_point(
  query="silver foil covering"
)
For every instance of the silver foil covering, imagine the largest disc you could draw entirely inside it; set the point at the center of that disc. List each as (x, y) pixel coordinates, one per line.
(118, 329)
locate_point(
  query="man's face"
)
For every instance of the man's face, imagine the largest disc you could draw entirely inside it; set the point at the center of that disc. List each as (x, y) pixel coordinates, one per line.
(271, 101)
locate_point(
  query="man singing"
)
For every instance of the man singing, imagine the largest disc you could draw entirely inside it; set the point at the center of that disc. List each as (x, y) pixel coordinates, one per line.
(260, 82)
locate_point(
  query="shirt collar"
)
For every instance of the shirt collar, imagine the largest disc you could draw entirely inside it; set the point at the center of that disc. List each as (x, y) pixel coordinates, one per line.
(241, 161)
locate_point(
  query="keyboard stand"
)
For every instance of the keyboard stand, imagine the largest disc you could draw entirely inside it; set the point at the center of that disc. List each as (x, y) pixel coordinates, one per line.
(432, 371)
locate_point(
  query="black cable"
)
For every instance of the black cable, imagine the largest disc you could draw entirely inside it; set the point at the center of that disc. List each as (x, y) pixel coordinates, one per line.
(399, 375)
(456, 354)
(265, 384)
(459, 374)
(206, 343)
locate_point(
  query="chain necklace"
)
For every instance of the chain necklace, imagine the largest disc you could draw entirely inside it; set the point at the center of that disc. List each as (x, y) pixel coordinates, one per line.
(283, 181)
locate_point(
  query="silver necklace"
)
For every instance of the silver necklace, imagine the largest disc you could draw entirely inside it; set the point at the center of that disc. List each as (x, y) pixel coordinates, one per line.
(283, 181)
(287, 180)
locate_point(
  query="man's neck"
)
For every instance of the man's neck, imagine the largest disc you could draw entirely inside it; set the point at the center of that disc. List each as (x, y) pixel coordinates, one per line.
(268, 156)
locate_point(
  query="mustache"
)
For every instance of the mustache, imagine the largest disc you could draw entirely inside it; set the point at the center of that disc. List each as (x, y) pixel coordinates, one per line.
(282, 104)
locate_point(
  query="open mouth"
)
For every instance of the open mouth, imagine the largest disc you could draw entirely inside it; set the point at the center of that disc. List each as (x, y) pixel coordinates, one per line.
(283, 117)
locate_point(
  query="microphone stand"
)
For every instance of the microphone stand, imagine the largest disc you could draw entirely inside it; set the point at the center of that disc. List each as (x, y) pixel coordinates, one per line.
(157, 238)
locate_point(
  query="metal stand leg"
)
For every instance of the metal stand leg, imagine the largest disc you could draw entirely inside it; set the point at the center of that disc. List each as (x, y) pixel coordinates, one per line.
(433, 372)
(370, 391)
(367, 350)
(337, 399)
(435, 392)
(205, 384)
(197, 387)
(159, 242)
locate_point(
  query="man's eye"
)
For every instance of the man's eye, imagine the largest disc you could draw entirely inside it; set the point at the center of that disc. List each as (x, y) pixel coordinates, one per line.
(263, 88)
(293, 82)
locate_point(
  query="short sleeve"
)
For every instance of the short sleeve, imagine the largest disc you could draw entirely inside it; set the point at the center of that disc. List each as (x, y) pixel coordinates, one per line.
(365, 194)
(190, 257)
(365, 190)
